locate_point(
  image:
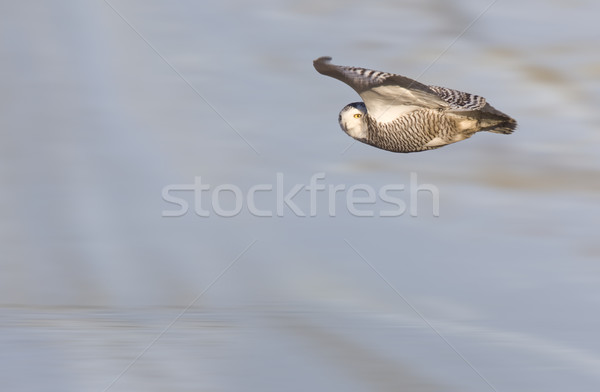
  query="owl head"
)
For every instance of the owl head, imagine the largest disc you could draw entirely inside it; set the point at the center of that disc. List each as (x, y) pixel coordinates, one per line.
(352, 120)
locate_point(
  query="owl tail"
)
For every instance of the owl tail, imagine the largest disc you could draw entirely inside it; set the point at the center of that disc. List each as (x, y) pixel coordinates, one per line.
(493, 120)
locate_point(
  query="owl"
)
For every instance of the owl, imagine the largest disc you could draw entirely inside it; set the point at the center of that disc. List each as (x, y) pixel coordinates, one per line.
(402, 115)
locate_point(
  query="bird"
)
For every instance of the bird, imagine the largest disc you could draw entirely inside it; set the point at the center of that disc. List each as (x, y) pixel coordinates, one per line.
(401, 115)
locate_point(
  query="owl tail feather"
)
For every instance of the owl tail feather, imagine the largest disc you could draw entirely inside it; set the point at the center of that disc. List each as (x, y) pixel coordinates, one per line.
(495, 121)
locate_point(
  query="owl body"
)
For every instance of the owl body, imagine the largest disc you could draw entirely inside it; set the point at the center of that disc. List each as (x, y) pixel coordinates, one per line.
(410, 132)
(402, 115)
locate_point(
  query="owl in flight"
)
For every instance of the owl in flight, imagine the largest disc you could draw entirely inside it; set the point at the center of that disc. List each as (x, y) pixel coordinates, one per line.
(402, 115)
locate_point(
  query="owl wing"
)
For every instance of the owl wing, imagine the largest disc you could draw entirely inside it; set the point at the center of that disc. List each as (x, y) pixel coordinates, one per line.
(386, 95)
(458, 100)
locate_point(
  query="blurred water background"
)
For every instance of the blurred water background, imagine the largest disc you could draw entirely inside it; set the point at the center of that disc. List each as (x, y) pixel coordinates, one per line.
(103, 104)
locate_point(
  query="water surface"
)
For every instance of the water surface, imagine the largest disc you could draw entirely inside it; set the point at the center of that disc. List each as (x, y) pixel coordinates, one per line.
(102, 107)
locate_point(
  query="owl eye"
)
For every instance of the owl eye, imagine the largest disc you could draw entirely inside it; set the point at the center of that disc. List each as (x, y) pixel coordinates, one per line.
(357, 115)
